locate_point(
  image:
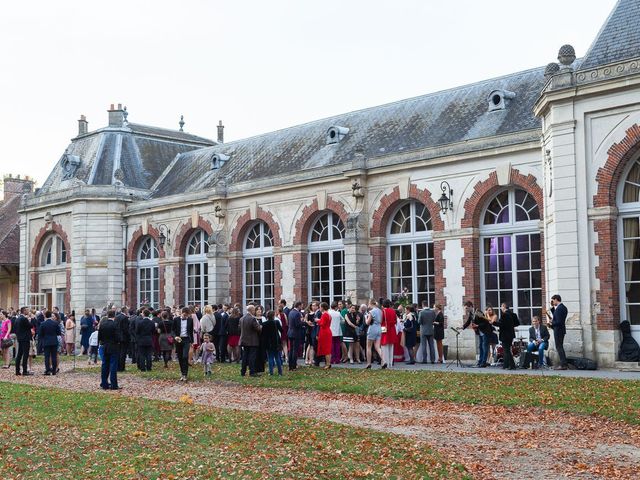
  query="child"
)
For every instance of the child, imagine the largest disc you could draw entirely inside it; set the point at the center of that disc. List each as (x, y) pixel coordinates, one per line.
(207, 351)
(93, 348)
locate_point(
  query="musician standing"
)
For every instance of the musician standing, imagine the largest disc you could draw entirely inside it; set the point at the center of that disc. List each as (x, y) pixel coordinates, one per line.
(507, 325)
(557, 321)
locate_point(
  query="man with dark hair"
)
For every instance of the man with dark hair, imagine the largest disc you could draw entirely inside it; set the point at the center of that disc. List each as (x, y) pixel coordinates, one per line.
(223, 334)
(507, 324)
(295, 333)
(183, 334)
(144, 339)
(23, 337)
(557, 321)
(122, 322)
(426, 317)
(109, 338)
(48, 333)
(286, 310)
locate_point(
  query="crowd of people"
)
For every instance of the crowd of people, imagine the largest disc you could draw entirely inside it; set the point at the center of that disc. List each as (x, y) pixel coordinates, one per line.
(258, 339)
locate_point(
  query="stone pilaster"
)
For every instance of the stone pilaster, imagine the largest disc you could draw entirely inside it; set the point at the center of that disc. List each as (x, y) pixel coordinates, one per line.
(357, 258)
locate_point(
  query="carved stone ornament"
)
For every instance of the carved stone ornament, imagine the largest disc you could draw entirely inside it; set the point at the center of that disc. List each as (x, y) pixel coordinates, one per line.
(218, 211)
(218, 238)
(356, 188)
(70, 164)
(118, 176)
(48, 218)
(548, 172)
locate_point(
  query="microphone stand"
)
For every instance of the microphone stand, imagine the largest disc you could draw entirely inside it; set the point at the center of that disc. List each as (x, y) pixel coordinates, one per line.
(457, 363)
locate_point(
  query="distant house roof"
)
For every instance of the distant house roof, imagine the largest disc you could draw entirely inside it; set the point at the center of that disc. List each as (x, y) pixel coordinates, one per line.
(133, 154)
(441, 118)
(10, 231)
(619, 37)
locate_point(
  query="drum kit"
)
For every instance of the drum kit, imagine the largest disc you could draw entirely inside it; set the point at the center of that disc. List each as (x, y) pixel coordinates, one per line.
(518, 347)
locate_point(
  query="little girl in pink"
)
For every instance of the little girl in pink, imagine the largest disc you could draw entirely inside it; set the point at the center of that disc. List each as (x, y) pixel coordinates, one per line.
(207, 350)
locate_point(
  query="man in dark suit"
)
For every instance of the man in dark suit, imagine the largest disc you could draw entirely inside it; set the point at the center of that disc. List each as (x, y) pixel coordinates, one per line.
(183, 334)
(221, 330)
(23, 337)
(250, 330)
(122, 321)
(507, 325)
(538, 339)
(110, 338)
(425, 319)
(295, 334)
(558, 321)
(48, 333)
(144, 339)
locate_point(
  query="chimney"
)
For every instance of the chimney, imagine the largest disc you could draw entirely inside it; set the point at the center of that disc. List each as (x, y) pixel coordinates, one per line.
(15, 186)
(220, 132)
(83, 125)
(116, 116)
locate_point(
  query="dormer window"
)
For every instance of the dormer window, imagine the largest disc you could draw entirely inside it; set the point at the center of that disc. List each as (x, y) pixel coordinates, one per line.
(217, 160)
(499, 99)
(336, 133)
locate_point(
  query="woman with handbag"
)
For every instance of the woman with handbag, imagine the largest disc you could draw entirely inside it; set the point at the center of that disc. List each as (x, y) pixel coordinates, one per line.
(374, 331)
(325, 336)
(389, 335)
(5, 338)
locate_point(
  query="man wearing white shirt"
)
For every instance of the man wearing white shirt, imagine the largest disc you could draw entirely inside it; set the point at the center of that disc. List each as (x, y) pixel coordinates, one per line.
(336, 333)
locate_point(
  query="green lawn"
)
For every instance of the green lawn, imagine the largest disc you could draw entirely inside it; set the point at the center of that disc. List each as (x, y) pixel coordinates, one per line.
(615, 399)
(51, 433)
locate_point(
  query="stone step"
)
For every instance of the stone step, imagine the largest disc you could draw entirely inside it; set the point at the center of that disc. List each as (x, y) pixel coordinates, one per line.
(627, 366)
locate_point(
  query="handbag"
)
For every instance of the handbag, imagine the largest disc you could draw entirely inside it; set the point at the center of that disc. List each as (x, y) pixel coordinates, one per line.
(383, 327)
(6, 343)
(169, 337)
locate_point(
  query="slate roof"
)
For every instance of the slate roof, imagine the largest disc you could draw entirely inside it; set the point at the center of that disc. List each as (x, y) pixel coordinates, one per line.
(141, 152)
(619, 37)
(10, 231)
(441, 118)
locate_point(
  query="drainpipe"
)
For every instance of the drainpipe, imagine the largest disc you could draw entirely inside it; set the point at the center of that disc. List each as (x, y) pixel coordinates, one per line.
(125, 235)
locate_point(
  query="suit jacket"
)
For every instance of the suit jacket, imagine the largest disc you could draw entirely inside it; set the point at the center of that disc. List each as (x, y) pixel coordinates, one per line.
(177, 321)
(271, 334)
(507, 324)
(109, 336)
(470, 320)
(144, 332)
(249, 331)
(544, 334)
(426, 318)
(122, 321)
(48, 332)
(296, 327)
(559, 318)
(23, 329)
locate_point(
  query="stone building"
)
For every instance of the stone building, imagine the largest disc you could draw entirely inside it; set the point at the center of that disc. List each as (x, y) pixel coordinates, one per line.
(509, 189)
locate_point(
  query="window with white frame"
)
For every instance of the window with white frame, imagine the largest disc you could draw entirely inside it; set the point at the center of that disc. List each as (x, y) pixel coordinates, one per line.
(148, 278)
(511, 269)
(197, 269)
(410, 258)
(629, 245)
(326, 259)
(54, 252)
(259, 266)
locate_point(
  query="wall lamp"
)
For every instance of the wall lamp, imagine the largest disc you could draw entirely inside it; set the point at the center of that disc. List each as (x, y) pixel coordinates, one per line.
(164, 235)
(445, 200)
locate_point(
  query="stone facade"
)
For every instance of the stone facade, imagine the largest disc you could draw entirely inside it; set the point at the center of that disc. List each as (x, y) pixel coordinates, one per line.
(569, 151)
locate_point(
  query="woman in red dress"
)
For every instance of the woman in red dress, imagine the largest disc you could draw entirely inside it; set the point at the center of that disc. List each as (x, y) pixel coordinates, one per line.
(324, 335)
(389, 334)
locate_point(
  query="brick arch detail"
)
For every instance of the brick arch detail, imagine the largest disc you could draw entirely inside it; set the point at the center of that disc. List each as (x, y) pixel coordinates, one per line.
(302, 228)
(181, 239)
(131, 287)
(474, 205)
(389, 203)
(484, 190)
(237, 245)
(46, 231)
(381, 218)
(608, 180)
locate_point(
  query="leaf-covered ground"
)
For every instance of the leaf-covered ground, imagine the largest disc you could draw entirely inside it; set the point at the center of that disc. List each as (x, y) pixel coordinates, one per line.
(52, 433)
(490, 440)
(617, 399)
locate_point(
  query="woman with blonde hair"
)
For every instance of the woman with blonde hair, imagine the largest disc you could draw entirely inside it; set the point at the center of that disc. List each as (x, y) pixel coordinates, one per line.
(70, 333)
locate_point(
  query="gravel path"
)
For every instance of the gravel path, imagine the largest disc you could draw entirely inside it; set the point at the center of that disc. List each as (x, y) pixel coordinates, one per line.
(491, 441)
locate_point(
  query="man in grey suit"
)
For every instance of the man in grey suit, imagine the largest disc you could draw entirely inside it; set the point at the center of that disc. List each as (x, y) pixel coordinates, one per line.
(425, 319)
(250, 330)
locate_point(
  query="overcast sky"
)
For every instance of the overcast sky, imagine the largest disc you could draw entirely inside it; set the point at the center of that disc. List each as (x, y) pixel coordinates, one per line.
(256, 65)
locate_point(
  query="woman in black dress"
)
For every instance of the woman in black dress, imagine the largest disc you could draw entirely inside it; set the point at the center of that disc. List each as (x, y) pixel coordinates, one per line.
(410, 328)
(261, 357)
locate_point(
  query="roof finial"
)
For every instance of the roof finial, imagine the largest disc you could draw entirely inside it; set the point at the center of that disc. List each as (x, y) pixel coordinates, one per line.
(181, 123)
(125, 114)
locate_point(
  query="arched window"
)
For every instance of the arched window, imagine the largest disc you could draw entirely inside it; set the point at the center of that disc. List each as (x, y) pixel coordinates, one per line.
(510, 254)
(410, 253)
(148, 278)
(629, 246)
(259, 266)
(326, 259)
(197, 269)
(54, 252)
